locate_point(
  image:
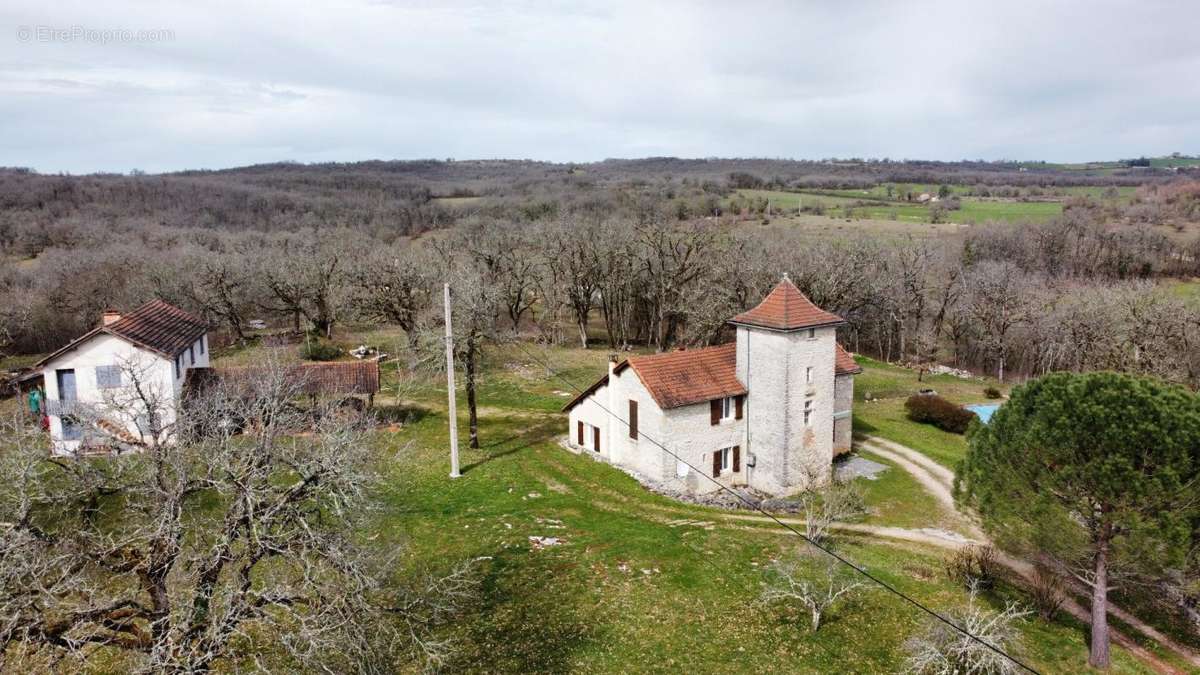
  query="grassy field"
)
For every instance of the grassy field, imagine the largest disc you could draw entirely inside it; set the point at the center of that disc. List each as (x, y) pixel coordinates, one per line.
(879, 395)
(1049, 193)
(844, 203)
(641, 582)
(1188, 291)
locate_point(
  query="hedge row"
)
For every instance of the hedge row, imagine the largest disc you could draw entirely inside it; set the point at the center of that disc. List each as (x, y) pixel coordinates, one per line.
(935, 410)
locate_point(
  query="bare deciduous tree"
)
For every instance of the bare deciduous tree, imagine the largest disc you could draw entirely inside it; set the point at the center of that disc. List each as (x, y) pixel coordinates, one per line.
(815, 586)
(827, 501)
(942, 650)
(229, 545)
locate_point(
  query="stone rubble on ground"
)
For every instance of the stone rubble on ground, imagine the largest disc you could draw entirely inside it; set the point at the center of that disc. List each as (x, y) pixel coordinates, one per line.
(947, 370)
(538, 543)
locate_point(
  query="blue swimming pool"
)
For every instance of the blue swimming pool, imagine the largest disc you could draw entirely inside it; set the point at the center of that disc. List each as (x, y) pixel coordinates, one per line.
(984, 411)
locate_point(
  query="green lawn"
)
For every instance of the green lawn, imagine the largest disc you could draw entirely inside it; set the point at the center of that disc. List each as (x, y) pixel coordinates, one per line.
(879, 395)
(979, 211)
(632, 587)
(641, 582)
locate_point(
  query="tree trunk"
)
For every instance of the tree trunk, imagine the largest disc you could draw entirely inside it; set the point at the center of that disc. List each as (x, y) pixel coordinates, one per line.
(469, 367)
(1099, 654)
(583, 332)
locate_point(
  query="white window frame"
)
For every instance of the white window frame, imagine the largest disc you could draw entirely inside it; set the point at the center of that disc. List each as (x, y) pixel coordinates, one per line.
(726, 459)
(808, 375)
(729, 407)
(808, 411)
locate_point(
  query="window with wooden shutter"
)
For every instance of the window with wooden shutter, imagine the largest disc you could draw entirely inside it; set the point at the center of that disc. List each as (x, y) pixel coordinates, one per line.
(714, 411)
(717, 464)
(580, 433)
(737, 458)
(633, 421)
(739, 402)
(596, 438)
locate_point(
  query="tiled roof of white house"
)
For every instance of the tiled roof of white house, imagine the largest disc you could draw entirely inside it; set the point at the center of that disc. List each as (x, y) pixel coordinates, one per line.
(157, 326)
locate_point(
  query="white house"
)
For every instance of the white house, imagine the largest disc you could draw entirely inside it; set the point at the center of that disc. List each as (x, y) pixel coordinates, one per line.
(769, 410)
(117, 386)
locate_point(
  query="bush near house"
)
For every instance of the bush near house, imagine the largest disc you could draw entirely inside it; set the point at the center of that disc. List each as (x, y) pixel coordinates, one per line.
(935, 410)
(319, 350)
(992, 392)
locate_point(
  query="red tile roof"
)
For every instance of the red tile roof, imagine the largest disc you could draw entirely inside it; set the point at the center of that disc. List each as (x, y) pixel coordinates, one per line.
(325, 379)
(786, 308)
(159, 326)
(682, 378)
(843, 363)
(156, 326)
(689, 376)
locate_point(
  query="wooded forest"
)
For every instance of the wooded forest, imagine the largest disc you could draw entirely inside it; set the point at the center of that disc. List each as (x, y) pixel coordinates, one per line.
(624, 252)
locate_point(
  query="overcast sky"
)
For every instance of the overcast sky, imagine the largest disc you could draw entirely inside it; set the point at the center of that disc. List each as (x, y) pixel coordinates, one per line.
(228, 84)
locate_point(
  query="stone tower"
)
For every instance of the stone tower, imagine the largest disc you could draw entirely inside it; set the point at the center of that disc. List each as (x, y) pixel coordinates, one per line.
(786, 351)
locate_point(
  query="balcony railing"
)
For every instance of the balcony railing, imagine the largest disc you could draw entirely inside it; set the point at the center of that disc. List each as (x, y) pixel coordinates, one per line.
(64, 408)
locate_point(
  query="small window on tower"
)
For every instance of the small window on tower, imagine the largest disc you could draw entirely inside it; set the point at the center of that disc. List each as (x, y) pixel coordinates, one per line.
(808, 375)
(808, 411)
(812, 333)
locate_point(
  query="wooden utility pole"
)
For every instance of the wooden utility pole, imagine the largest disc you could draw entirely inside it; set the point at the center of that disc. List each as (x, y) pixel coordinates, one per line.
(450, 390)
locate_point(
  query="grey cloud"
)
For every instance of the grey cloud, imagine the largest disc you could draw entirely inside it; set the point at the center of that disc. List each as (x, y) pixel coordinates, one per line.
(257, 82)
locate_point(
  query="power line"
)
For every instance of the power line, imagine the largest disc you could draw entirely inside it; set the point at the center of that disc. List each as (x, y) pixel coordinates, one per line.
(881, 583)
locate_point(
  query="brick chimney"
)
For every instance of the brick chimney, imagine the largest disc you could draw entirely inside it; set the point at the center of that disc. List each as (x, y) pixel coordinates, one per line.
(109, 316)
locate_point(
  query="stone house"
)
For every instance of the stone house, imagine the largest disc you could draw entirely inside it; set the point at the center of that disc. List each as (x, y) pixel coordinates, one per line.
(769, 410)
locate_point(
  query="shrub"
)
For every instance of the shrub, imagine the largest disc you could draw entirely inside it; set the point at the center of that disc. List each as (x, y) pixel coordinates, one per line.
(1046, 590)
(319, 350)
(973, 567)
(992, 392)
(935, 410)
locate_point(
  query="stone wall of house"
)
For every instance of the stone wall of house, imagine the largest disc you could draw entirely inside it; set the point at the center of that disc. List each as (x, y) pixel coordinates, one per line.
(788, 453)
(686, 431)
(638, 454)
(692, 436)
(843, 404)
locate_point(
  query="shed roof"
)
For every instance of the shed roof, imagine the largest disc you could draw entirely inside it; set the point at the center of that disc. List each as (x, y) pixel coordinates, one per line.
(332, 378)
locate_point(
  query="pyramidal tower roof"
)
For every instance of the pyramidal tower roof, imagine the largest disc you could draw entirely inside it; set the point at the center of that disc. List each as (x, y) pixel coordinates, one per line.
(786, 308)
